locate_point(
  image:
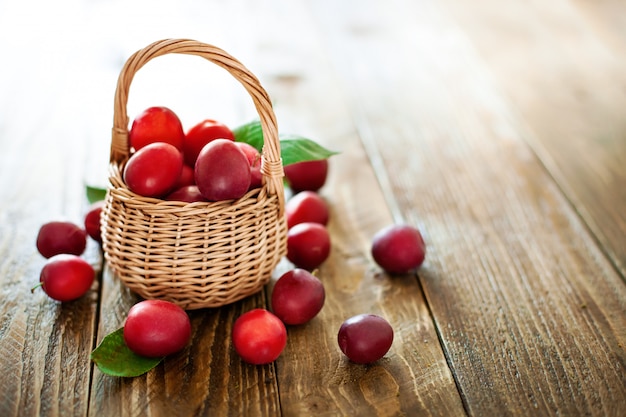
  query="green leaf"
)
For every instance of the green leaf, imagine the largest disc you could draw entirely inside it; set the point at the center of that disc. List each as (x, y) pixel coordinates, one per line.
(95, 193)
(250, 133)
(293, 148)
(114, 358)
(297, 149)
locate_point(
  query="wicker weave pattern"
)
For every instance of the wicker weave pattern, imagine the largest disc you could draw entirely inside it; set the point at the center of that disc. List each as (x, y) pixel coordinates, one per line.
(197, 255)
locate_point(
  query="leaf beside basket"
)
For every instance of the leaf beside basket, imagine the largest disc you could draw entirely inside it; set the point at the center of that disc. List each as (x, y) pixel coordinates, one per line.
(293, 148)
(114, 358)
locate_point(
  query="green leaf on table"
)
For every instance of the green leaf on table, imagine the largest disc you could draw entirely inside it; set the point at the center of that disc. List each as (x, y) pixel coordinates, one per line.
(95, 193)
(298, 149)
(114, 358)
(293, 148)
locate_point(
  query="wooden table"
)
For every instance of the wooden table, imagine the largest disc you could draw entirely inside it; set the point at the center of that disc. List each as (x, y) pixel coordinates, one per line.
(496, 127)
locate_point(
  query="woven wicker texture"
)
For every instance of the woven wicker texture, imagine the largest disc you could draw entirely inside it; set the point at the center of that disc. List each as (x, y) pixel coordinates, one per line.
(197, 255)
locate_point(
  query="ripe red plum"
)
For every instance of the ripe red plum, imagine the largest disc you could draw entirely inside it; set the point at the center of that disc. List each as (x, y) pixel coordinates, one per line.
(58, 237)
(66, 277)
(187, 193)
(156, 328)
(306, 206)
(307, 175)
(198, 136)
(254, 159)
(259, 337)
(297, 297)
(153, 170)
(365, 338)
(398, 249)
(222, 171)
(92, 221)
(308, 245)
(156, 124)
(186, 177)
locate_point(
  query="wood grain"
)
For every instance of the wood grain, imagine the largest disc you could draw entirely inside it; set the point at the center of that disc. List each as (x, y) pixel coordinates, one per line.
(506, 290)
(496, 127)
(575, 74)
(314, 376)
(45, 345)
(206, 378)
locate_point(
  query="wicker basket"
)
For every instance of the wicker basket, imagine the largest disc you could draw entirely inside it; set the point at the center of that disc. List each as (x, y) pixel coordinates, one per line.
(203, 254)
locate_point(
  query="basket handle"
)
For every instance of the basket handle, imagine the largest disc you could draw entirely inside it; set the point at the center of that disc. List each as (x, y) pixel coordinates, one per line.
(271, 166)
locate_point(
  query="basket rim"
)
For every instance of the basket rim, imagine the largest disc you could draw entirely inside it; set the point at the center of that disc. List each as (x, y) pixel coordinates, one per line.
(123, 193)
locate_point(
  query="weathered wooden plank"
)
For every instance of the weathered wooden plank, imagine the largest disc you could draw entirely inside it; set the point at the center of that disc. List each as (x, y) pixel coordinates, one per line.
(206, 378)
(45, 345)
(313, 375)
(569, 90)
(529, 310)
(607, 19)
